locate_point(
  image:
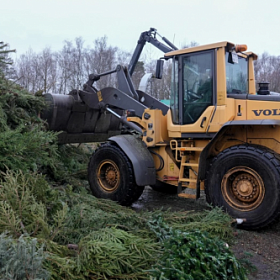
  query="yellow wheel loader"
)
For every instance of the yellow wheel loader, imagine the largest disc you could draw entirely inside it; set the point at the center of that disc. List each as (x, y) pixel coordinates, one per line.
(219, 134)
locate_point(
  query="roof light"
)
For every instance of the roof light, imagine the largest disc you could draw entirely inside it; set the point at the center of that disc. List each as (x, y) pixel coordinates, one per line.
(240, 48)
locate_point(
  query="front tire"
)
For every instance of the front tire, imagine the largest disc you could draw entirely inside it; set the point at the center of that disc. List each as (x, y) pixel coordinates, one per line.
(245, 181)
(111, 175)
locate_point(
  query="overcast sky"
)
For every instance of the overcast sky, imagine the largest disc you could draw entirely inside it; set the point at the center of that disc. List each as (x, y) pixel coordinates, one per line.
(38, 24)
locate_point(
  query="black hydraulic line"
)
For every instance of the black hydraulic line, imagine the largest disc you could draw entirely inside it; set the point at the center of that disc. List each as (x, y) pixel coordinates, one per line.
(159, 45)
(95, 77)
(125, 121)
(167, 42)
(107, 73)
(160, 159)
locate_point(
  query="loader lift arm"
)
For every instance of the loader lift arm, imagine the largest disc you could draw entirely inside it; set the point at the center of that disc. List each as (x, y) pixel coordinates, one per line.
(149, 36)
(125, 84)
(123, 74)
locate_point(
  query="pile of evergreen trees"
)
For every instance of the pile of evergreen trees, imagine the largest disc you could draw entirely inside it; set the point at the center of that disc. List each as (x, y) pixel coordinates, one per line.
(50, 228)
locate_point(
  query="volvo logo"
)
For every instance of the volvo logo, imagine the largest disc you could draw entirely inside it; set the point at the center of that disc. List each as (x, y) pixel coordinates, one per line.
(267, 112)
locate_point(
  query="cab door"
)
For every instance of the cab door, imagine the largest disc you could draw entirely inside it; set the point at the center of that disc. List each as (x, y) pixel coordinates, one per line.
(196, 91)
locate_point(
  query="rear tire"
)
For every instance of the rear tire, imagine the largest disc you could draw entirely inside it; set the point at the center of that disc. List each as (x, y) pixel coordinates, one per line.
(245, 181)
(111, 175)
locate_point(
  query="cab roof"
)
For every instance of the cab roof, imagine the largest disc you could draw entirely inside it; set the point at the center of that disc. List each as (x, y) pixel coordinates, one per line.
(226, 44)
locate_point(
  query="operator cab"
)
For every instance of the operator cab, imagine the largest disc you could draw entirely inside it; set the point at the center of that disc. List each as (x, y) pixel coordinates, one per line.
(203, 77)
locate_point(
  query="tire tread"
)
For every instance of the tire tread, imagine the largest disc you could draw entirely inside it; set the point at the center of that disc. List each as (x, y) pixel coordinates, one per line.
(132, 191)
(261, 151)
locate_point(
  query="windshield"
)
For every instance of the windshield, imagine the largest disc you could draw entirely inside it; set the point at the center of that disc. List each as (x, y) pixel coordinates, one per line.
(237, 75)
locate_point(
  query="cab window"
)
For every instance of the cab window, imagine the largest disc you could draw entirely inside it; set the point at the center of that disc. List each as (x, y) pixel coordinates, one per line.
(237, 75)
(197, 85)
(174, 93)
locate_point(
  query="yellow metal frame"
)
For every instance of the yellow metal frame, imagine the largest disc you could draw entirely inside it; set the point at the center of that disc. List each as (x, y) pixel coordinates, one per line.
(165, 138)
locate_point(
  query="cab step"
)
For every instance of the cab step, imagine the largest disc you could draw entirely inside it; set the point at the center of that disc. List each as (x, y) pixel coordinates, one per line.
(187, 195)
(191, 149)
(188, 180)
(190, 164)
(185, 191)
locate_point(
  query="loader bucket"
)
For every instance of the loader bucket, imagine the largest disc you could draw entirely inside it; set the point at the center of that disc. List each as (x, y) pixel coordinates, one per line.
(76, 122)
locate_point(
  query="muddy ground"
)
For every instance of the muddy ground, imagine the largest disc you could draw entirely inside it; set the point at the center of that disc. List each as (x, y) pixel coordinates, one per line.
(260, 248)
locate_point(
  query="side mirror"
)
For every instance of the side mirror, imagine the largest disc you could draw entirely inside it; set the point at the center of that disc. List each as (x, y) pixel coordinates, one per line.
(159, 69)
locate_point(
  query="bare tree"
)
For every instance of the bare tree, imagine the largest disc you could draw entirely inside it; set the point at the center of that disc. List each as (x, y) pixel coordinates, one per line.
(6, 61)
(26, 75)
(159, 89)
(46, 64)
(71, 73)
(78, 55)
(262, 67)
(37, 72)
(267, 69)
(100, 59)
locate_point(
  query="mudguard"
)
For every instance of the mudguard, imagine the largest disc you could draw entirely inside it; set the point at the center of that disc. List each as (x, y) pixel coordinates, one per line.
(140, 157)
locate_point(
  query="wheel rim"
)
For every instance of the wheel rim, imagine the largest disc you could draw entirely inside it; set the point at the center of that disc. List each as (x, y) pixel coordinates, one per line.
(108, 175)
(243, 188)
